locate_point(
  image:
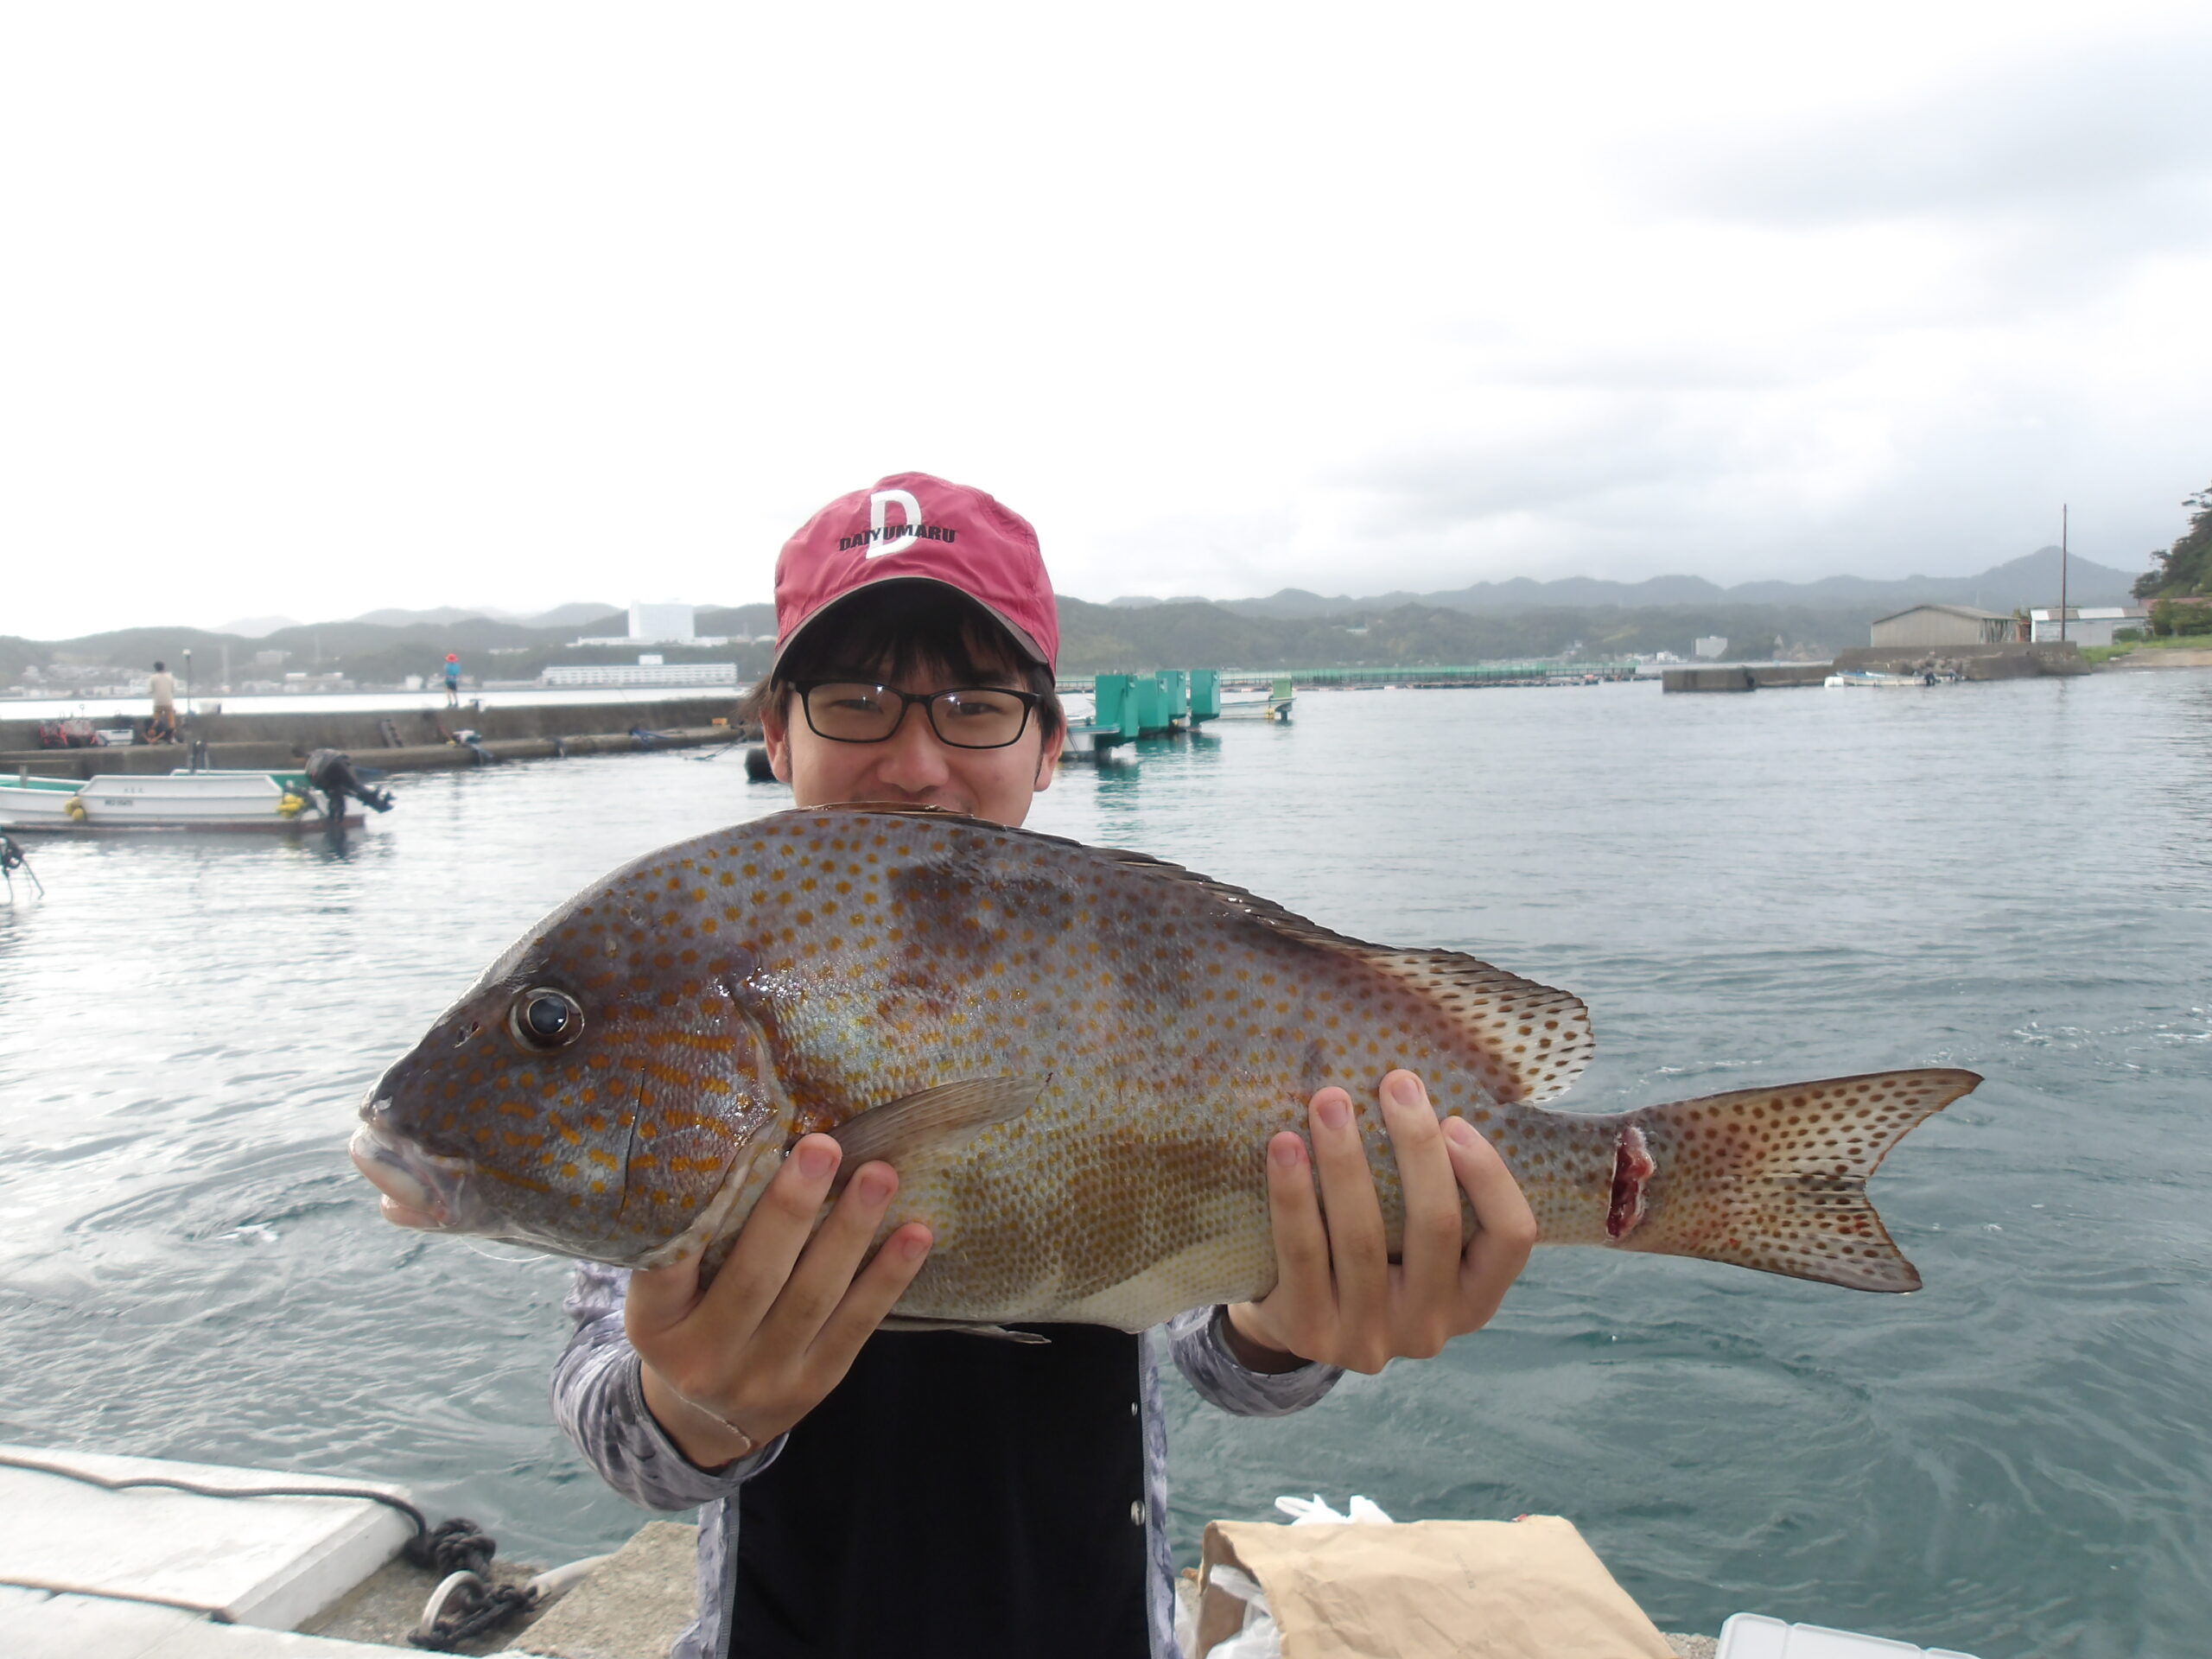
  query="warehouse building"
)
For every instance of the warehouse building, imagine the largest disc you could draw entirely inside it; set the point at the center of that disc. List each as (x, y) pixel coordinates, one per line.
(2091, 625)
(1943, 625)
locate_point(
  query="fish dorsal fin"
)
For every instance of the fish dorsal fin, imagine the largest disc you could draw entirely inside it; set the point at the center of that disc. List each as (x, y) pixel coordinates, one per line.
(1539, 1038)
(900, 810)
(933, 1119)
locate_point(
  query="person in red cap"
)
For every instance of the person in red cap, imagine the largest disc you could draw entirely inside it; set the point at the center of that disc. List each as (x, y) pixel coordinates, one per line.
(865, 1492)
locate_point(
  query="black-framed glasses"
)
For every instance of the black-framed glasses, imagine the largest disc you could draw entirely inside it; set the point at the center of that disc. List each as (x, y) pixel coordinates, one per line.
(965, 717)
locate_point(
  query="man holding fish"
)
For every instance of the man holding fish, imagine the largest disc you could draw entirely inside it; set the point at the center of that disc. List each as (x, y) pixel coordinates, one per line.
(864, 1094)
(867, 1492)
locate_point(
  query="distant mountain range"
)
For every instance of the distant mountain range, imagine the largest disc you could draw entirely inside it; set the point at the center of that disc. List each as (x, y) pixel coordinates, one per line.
(2025, 582)
(443, 616)
(1483, 621)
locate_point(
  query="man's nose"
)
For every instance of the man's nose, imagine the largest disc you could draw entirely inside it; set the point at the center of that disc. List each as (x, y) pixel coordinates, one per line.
(912, 757)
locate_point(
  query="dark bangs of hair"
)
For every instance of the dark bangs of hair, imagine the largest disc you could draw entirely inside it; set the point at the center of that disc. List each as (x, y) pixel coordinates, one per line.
(899, 631)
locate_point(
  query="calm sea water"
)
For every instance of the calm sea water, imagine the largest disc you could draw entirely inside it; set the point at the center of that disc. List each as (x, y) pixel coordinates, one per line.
(2015, 878)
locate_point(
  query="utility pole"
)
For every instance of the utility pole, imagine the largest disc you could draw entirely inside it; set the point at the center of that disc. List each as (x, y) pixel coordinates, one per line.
(2061, 573)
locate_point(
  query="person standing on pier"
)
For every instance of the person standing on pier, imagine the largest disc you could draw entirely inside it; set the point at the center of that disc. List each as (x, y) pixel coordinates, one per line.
(162, 686)
(864, 1492)
(453, 680)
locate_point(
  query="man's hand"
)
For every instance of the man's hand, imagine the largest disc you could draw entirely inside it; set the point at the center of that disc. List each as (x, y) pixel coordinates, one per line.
(730, 1367)
(1338, 1300)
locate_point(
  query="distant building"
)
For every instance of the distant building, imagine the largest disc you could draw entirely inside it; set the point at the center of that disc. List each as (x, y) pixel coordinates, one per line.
(2088, 626)
(1711, 645)
(641, 673)
(1943, 625)
(661, 625)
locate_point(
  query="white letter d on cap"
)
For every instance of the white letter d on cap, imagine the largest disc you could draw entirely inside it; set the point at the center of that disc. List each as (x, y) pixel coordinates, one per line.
(877, 503)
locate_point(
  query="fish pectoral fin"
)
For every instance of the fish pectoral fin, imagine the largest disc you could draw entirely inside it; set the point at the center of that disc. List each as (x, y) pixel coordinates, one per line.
(934, 1118)
(1028, 1338)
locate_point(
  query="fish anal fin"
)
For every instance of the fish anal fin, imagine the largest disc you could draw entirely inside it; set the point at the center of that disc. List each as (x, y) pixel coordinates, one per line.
(1537, 1040)
(997, 1332)
(932, 1120)
(1776, 1178)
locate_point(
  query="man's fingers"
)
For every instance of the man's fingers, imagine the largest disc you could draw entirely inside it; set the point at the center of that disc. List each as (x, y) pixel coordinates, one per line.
(1294, 1214)
(1505, 1226)
(1430, 1276)
(782, 1221)
(1358, 1252)
(1300, 1313)
(826, 1270)
(872, 1295)
(661, 1298)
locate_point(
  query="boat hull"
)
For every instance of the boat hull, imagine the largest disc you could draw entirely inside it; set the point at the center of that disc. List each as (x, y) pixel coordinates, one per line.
(135, 804)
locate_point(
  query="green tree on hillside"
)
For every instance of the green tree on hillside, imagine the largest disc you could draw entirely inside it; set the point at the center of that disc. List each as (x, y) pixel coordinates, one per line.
(2186, 567)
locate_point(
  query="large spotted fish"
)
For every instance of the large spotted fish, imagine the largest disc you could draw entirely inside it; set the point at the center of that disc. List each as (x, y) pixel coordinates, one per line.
(1075, 1058)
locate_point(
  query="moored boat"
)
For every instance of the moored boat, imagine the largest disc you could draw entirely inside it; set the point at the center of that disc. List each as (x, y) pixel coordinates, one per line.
(1871, 679)
(1254, 703)
(175, 800)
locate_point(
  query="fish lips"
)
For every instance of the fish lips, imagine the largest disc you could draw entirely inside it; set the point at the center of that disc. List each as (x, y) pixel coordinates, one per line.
(420, 1189)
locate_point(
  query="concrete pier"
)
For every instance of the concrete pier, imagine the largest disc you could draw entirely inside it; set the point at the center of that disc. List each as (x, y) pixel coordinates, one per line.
(275, 741)
(2011, 661)
(1742, 677)
(2003, 661)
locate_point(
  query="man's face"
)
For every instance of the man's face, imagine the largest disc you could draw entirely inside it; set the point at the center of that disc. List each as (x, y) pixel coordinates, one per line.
(912, 765)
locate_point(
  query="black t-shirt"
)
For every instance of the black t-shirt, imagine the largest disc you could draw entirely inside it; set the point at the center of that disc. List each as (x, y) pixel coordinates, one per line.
(955, 1494)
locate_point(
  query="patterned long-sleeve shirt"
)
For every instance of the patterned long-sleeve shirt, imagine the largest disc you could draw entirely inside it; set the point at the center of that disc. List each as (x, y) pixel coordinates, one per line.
(599, 1400)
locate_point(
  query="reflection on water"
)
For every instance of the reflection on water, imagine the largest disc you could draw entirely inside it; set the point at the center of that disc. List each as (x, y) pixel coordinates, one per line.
(2010, 878)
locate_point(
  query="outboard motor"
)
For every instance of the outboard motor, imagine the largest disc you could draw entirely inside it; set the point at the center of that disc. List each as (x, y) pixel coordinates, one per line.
(332, 772)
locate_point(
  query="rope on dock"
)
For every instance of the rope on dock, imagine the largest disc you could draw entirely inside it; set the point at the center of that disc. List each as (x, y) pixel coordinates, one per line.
(368, 1493)
(62, 1587)
(483, 1605)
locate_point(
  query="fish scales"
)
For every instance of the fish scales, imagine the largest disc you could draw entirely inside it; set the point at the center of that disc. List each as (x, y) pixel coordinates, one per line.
(1074, 1056)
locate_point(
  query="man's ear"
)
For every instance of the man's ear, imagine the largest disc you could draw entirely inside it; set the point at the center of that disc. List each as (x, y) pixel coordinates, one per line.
(777, 736)
(1048, 761)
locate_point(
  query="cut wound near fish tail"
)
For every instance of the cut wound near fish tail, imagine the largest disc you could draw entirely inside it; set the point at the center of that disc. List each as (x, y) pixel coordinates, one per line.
(932, 1120)
(1775, 1179)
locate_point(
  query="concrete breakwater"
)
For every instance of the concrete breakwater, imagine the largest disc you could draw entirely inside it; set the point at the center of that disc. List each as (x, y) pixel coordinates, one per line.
(2015, 661)
(400, 740)
(2003, 661)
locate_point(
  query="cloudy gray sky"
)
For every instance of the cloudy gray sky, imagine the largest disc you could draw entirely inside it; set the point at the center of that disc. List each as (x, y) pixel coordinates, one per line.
(311, 309)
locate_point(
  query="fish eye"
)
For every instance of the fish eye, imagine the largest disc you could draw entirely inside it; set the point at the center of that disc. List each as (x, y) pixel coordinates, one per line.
(546, 1019)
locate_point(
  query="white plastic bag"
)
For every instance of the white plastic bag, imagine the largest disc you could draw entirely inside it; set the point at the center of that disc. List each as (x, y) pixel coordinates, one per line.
(1258, 1638)
(1314, 1511)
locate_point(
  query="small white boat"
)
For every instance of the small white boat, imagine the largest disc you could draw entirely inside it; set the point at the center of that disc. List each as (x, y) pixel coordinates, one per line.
(1867, 678)
(175, 800)
(1254, 703)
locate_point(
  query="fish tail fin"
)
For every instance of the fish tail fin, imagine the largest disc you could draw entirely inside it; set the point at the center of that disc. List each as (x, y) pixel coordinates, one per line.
(1774, 1178)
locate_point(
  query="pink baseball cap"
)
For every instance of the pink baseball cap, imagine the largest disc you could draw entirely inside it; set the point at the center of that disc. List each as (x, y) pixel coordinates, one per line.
(912, 527)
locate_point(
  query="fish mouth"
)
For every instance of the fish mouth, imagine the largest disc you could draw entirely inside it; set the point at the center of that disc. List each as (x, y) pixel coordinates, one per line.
(418, 1189)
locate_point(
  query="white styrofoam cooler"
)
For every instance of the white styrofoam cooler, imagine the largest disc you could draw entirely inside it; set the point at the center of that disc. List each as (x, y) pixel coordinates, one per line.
(267, 1561)
(1753, 1636)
